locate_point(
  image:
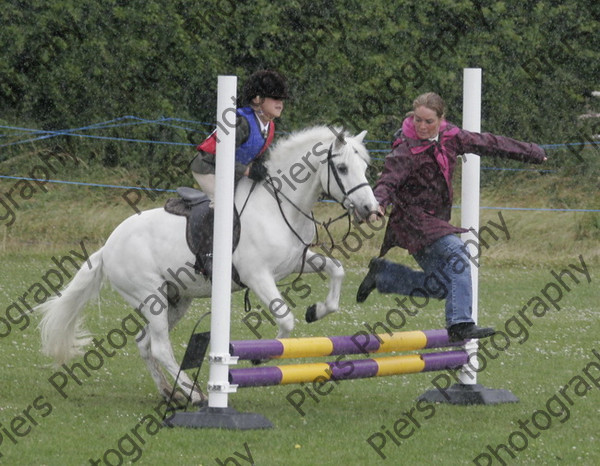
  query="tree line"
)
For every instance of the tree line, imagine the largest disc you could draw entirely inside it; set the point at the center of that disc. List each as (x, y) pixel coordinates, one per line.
(68, 63)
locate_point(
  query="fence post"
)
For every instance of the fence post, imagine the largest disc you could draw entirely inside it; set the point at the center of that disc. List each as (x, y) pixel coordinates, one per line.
(469, 212)
(217, 414)
(468, 391)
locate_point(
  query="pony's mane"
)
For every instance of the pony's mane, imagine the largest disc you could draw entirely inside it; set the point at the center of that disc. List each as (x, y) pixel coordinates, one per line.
(303, 141)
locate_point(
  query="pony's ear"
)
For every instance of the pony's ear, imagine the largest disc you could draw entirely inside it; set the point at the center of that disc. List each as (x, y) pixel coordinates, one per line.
(361, 136)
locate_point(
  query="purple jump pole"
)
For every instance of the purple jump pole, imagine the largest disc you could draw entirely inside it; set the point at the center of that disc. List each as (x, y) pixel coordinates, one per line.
(359, 343)
(346, 370)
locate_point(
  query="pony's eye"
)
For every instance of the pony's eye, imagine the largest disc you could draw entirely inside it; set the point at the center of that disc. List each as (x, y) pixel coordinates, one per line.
(342, 169)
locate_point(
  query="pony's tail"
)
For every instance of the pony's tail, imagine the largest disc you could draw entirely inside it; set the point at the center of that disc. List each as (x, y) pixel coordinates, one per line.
(62, 334)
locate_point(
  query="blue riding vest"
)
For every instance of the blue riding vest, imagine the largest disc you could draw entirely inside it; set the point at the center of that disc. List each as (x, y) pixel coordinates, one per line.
(253, 146)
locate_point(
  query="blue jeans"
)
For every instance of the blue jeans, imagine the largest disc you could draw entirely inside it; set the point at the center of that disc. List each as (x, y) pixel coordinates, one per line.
(446, 275)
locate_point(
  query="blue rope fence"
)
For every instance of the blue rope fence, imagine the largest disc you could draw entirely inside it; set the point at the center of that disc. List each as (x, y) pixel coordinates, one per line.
(29, 135)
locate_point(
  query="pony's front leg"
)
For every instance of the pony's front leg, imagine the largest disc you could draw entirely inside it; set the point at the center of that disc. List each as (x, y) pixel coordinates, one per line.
(318, 263)
(266, 290)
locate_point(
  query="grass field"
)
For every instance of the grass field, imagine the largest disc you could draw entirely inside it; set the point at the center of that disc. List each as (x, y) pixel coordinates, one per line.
(536, 362)
(548, 357)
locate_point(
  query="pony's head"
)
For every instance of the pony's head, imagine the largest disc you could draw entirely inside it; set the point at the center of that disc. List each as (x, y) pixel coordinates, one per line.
(328, 160)
(345, 179)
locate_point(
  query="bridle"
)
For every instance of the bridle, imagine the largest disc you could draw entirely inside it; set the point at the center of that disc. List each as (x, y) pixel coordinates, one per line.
(279, 197)
(333, 169)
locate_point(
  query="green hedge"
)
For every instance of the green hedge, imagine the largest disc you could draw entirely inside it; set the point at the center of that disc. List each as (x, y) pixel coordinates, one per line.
(70, 63)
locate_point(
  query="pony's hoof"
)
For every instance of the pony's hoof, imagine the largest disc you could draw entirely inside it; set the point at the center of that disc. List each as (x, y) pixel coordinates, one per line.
(311, 314)
(256, 362)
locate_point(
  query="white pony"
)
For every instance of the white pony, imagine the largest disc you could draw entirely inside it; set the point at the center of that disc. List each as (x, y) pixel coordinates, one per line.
(147, 254)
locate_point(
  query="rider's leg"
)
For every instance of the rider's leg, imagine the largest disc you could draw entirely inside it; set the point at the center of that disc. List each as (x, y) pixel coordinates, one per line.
(206, 183)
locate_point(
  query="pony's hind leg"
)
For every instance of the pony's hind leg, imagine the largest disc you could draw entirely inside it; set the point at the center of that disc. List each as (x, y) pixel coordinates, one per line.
(153, 341)
(143, 342)
(177, 309)
(161, 350)
(318, 263)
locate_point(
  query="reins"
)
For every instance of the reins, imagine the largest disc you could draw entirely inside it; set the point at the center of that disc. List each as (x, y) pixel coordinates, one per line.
(278, 194)
(280, 197)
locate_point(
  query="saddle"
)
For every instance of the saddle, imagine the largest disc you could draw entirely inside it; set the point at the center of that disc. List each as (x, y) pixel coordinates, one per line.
(195, 206)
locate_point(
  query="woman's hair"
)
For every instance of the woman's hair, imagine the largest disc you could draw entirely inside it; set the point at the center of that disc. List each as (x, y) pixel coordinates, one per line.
(432, 101)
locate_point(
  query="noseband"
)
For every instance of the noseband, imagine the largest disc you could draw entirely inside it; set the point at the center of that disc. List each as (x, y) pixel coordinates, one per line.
(338, 180)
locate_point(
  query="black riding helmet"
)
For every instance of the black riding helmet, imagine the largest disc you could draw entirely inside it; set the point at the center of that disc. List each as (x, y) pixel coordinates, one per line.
(264, 83)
